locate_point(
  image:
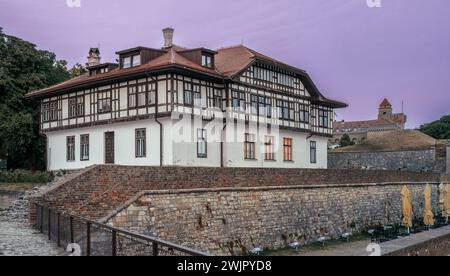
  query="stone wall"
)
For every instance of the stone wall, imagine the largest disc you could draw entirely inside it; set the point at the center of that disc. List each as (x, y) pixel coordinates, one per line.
(416, 161)
(448, 161)
(232, 221)
(97, 191)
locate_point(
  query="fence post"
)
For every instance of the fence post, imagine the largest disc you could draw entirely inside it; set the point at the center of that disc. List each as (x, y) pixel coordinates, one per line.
(72, 239)
(155, 249)
(88, 239)
(59, 229)
(49, 224)
(42, 218)
(114, 243)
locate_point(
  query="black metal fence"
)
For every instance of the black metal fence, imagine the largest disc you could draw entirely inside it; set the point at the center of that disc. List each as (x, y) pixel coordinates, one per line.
(90, 238)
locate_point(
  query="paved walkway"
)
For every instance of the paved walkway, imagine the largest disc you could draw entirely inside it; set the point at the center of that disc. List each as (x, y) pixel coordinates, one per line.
(356, 248)
(19, 239)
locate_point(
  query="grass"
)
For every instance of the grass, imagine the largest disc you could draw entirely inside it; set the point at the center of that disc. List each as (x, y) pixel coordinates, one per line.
(24, 176)
(19, 187)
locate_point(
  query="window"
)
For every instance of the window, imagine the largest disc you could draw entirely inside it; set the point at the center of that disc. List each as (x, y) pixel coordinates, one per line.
(132, 61)
(188, 95)
(207, 61)
(250, 146)
(286, 110)
(285, 80)
(238, 101)
(217, 99)
(137, 96)
(192, 95)
(265, 106)
(323, 118)
(263, 74)
(254, 104)
(313, 152)
(70, 148)
(151, 94)
(136, 60)
(104, 102)
(76, 107)
(304, 113)
(50, 111)
(84, 147)
(141, 143)
(126, 62)
(269, 153)
(287, 149)
(202, 144)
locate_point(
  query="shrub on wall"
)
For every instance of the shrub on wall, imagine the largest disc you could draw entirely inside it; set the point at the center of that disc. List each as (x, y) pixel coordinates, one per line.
(22, 176)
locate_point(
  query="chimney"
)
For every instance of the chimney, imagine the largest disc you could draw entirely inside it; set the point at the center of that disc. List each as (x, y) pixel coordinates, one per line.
(94, 57)
(168, 37)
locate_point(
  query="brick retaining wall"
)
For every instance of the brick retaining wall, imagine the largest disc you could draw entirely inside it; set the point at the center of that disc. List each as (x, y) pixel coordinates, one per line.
(99, 190)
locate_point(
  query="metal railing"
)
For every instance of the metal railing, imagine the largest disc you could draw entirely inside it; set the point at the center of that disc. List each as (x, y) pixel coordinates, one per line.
(97, 239)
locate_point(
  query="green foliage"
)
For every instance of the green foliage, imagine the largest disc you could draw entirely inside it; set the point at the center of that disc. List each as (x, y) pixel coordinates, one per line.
(438, 129)
(345, 141)
(21, 176)
(23, 69)
(77, 70)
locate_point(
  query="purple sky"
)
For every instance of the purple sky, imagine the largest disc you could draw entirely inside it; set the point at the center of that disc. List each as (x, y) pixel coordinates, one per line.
(353, 53)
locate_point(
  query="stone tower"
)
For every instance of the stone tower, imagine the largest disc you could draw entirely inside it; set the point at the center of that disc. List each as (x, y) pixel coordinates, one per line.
(385, 110)
(94, 57)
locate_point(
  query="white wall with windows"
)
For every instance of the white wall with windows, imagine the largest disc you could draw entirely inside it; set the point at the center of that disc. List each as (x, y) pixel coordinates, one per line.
(185, 144)
(60, 157)
(291, 149)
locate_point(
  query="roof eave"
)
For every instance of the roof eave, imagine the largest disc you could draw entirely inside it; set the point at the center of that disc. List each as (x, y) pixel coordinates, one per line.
(90, 83)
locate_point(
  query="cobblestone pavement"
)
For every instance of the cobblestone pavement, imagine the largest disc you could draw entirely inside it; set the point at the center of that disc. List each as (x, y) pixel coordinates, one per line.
(19, 239)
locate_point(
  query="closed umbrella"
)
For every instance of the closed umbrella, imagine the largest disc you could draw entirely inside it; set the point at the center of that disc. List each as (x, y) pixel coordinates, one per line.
(446, 197)
(428, 216)
(407, 208)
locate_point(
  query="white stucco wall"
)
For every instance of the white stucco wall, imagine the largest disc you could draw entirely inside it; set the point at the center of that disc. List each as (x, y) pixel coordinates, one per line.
(234, 152)
(124, 145)
(180, 146)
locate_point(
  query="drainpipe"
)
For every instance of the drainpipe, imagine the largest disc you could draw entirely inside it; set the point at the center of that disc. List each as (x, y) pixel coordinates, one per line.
(222, 162)
(161, 128)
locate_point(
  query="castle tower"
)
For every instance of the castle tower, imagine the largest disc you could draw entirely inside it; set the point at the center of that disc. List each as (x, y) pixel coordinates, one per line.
(385, 110)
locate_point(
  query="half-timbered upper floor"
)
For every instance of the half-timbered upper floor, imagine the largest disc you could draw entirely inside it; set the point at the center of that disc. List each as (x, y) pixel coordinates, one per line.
(234, 82)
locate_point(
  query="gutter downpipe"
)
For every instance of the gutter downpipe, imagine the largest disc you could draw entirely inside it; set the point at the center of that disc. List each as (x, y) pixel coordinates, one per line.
(161, 127)
(222, 162)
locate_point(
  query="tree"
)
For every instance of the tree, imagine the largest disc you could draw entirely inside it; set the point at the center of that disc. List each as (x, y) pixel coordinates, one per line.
(345, 141)
(23, 68)
(438, 129)
(77, 70)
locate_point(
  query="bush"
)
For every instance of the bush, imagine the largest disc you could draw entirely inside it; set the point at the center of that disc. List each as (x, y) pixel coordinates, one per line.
(21, 176)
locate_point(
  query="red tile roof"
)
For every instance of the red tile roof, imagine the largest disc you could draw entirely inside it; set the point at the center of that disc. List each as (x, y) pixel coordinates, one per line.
(385, 103)
(228, 61)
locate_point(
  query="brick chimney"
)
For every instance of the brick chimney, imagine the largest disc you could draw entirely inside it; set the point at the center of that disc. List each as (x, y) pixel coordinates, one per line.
(94, 57)
(168, 37)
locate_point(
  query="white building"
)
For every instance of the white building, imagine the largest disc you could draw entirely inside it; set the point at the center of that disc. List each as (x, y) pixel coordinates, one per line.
(187, 107)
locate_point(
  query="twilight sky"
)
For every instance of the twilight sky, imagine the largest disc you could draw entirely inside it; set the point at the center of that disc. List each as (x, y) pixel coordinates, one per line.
(354, 53)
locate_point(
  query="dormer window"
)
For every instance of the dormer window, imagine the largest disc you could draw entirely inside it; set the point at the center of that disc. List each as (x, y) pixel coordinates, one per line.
(136, 60)
(131, 61)
(207, 61)
(126, 62)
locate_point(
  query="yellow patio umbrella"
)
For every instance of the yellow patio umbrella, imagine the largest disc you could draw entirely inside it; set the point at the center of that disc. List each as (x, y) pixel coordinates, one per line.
(407, 207)
(446, 197)
(428, 216)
